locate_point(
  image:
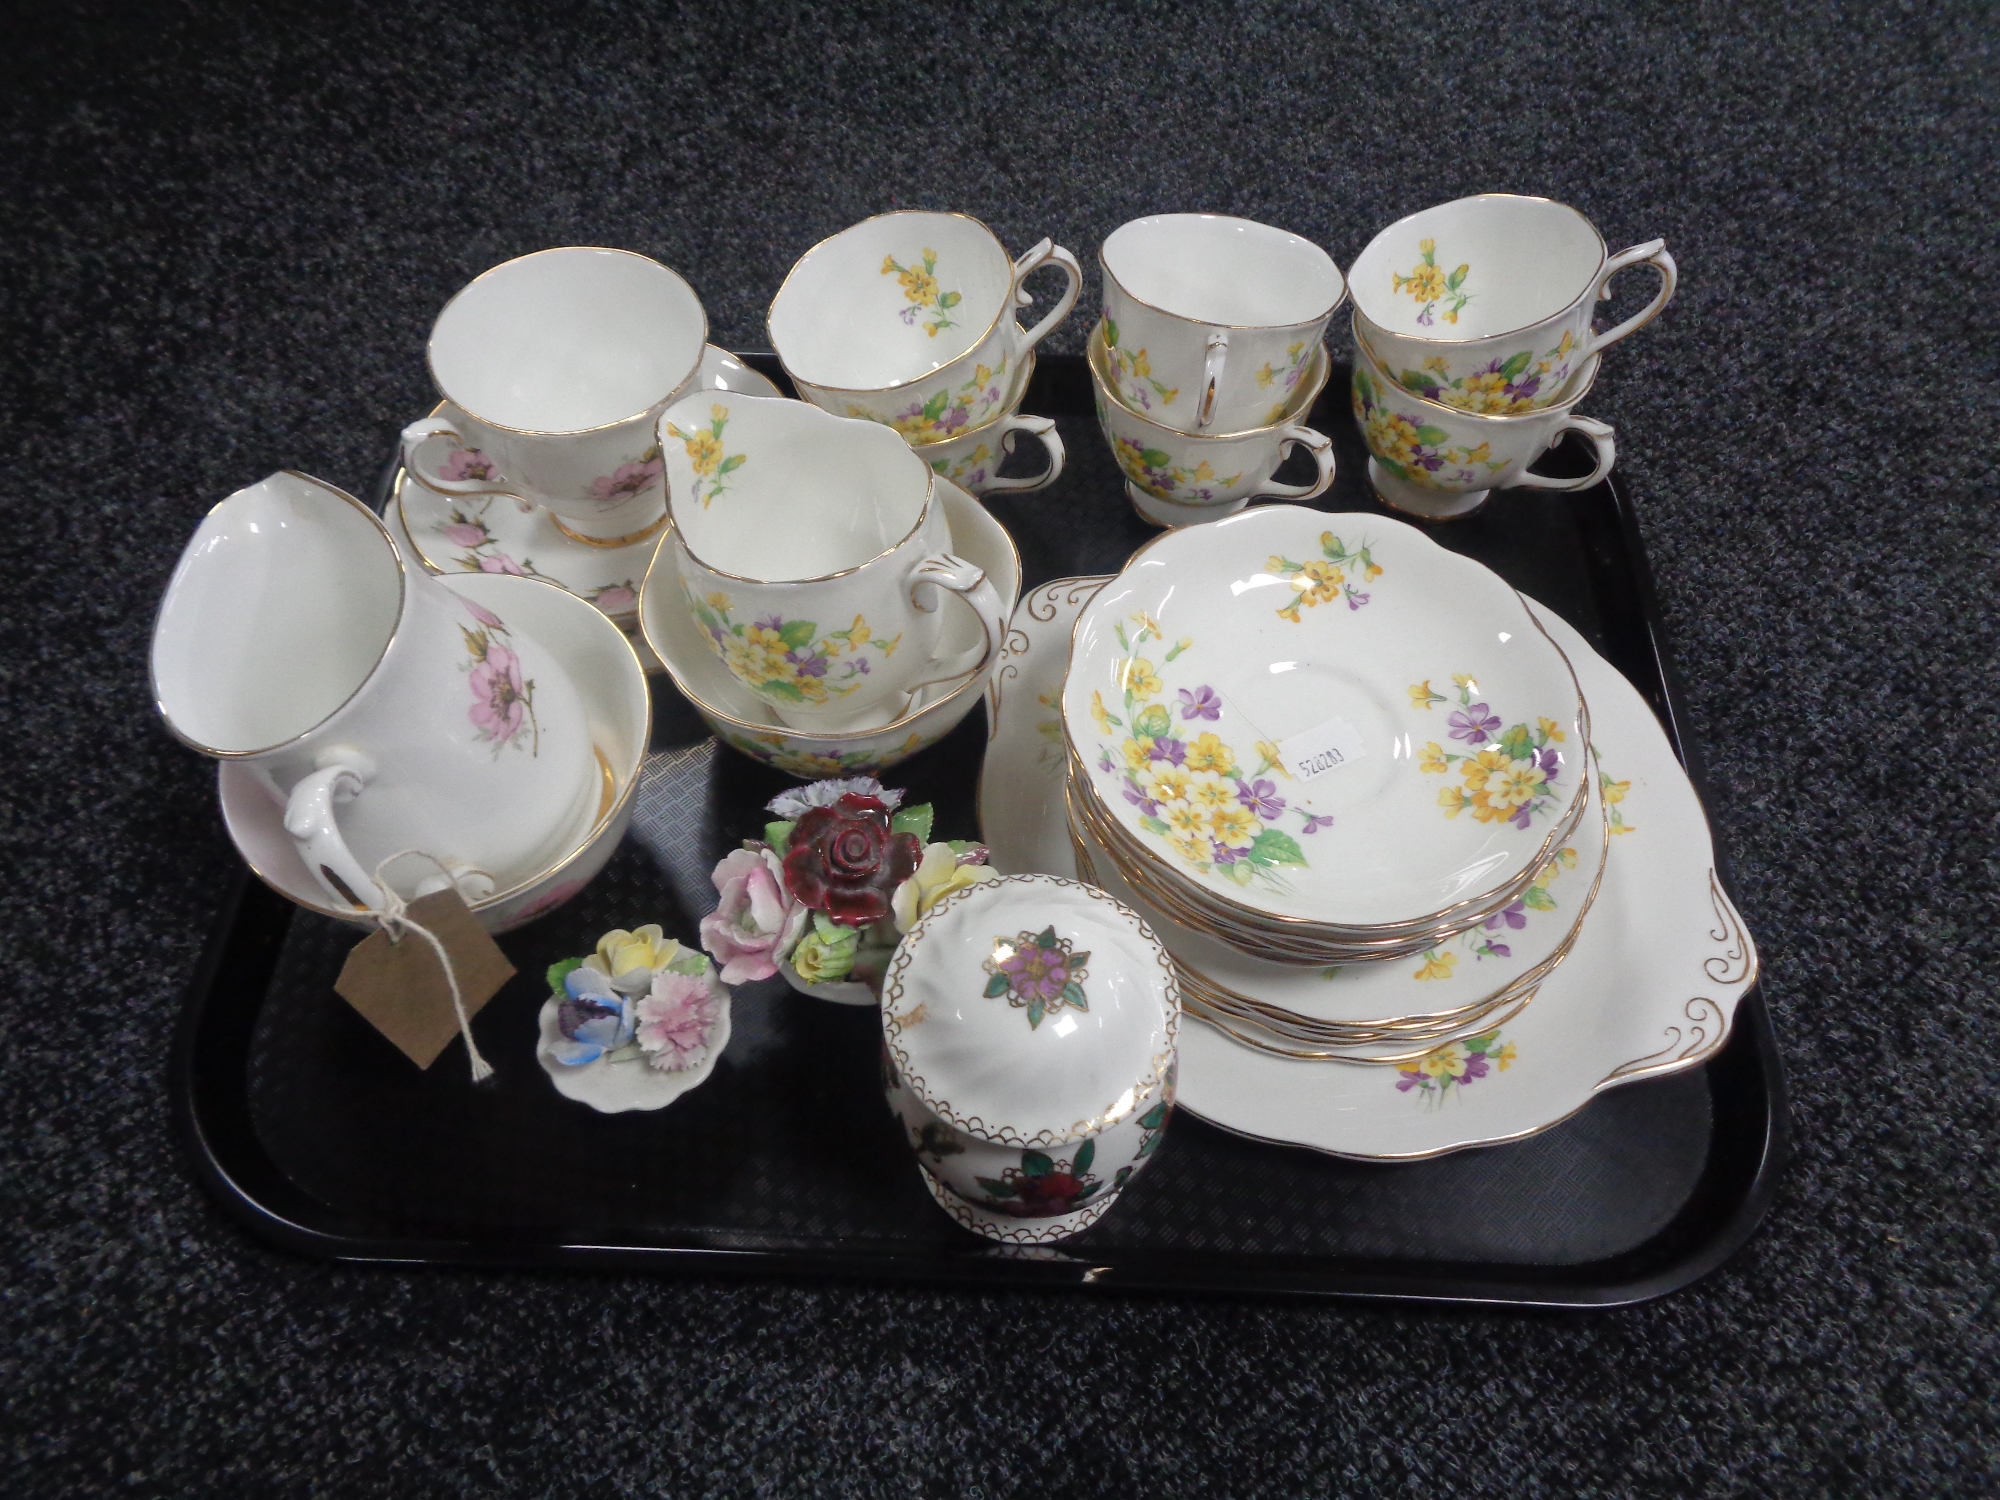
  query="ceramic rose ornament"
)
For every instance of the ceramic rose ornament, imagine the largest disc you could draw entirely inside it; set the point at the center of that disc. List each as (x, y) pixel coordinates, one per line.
(635, 1024)
(822, 899)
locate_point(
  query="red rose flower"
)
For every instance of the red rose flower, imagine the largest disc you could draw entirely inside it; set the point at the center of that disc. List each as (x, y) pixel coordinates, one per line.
(844, 861)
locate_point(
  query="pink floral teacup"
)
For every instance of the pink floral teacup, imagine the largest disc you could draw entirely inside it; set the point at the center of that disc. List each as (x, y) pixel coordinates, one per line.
(554, 369)
(382, 711)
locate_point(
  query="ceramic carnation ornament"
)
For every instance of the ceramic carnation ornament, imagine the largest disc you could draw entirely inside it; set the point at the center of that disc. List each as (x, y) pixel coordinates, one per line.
(842, 871)
(635, 1024)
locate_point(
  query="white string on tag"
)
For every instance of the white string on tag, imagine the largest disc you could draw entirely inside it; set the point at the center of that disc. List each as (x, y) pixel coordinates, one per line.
(395, 921)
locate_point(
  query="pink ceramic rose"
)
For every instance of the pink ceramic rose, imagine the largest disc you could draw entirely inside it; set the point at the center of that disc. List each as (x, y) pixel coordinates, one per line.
(756, 923)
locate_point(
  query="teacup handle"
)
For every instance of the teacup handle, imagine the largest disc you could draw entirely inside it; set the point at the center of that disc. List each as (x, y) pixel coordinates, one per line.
(310, 821)
(1212, 361)
(1043, 429)
(941, 573)
(1320, 446)
(422, 431)
(1603, 436)
(1047, 253)
(1654, 254)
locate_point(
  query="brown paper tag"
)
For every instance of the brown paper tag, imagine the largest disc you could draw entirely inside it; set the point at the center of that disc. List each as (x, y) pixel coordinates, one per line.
(401, 989)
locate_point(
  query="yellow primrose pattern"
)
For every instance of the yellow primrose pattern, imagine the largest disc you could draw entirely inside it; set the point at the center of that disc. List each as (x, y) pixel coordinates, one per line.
(1493, 938)
(948, 411)
(790, 661)
(1187, 783)
(1142, 389)
(1155, 472)
(1325, 578)
(1430, 284)
(1283, 381)
(1411, 448)
(1503, 386)
(920, 289)
(1506, 775)
(705, 454)
(1614, 793)
(1454, 1066)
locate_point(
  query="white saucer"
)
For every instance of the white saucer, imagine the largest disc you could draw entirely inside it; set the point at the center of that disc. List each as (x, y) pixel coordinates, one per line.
(601, 662)
(1650, 988)
(501, 534)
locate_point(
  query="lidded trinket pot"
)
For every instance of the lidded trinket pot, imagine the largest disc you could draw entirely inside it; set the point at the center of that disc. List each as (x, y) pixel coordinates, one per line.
(1029, 1029)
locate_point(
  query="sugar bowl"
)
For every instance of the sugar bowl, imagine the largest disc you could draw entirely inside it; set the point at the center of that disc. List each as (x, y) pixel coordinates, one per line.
(1029, 1028)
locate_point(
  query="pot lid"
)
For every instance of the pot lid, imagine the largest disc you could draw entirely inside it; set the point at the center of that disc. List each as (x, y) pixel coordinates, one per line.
(1031, 1010)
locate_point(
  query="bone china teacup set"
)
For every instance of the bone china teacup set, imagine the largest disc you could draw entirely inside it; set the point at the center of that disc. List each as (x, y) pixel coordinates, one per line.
(411, 702)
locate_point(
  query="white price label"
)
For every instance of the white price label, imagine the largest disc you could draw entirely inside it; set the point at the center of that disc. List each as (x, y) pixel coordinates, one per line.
(1324, 747)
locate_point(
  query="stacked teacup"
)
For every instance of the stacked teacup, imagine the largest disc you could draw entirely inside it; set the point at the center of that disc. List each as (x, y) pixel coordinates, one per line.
(1208, 358)
(1473, 346)
(908, 319)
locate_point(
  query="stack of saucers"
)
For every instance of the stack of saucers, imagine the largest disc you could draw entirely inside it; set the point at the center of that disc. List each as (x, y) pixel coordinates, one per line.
(1306, 744)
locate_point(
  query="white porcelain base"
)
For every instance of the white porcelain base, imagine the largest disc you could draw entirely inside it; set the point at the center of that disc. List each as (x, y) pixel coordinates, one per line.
(1005, 1229)
(1425, 505)
(1171, 514)
(614, 1088)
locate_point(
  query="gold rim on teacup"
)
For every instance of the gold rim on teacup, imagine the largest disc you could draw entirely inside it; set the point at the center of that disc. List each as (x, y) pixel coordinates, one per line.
(402, 599)
(1589, 290)
(1296, 410)
(1007, 303)
(646, 586)
(694, 370)
(1575, 388)
(673, 535)
(1331, 308)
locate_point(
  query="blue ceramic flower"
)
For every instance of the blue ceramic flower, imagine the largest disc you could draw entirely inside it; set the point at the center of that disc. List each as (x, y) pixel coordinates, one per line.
(593, 1018)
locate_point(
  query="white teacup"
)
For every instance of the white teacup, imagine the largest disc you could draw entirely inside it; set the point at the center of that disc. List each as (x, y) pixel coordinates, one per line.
(383, 711)
(908, 318)
(556, 367)
(814, 557)
(1181, 478)
(972, 459)
(1484, 303)
(1435, 461)
(1212, 321)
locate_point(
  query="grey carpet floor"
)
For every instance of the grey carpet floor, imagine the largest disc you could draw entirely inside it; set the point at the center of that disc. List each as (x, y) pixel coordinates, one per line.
(223, 233)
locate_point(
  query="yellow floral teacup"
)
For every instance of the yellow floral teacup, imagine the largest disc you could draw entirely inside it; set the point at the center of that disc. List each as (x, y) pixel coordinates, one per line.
(815, 556)
(908, 319)
(1181, 478)
(1435, 461)
(1211, 322)
(1484, 303)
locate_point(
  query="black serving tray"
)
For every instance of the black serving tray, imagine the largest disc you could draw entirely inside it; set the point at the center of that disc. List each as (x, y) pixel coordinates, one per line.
(316, 1135)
